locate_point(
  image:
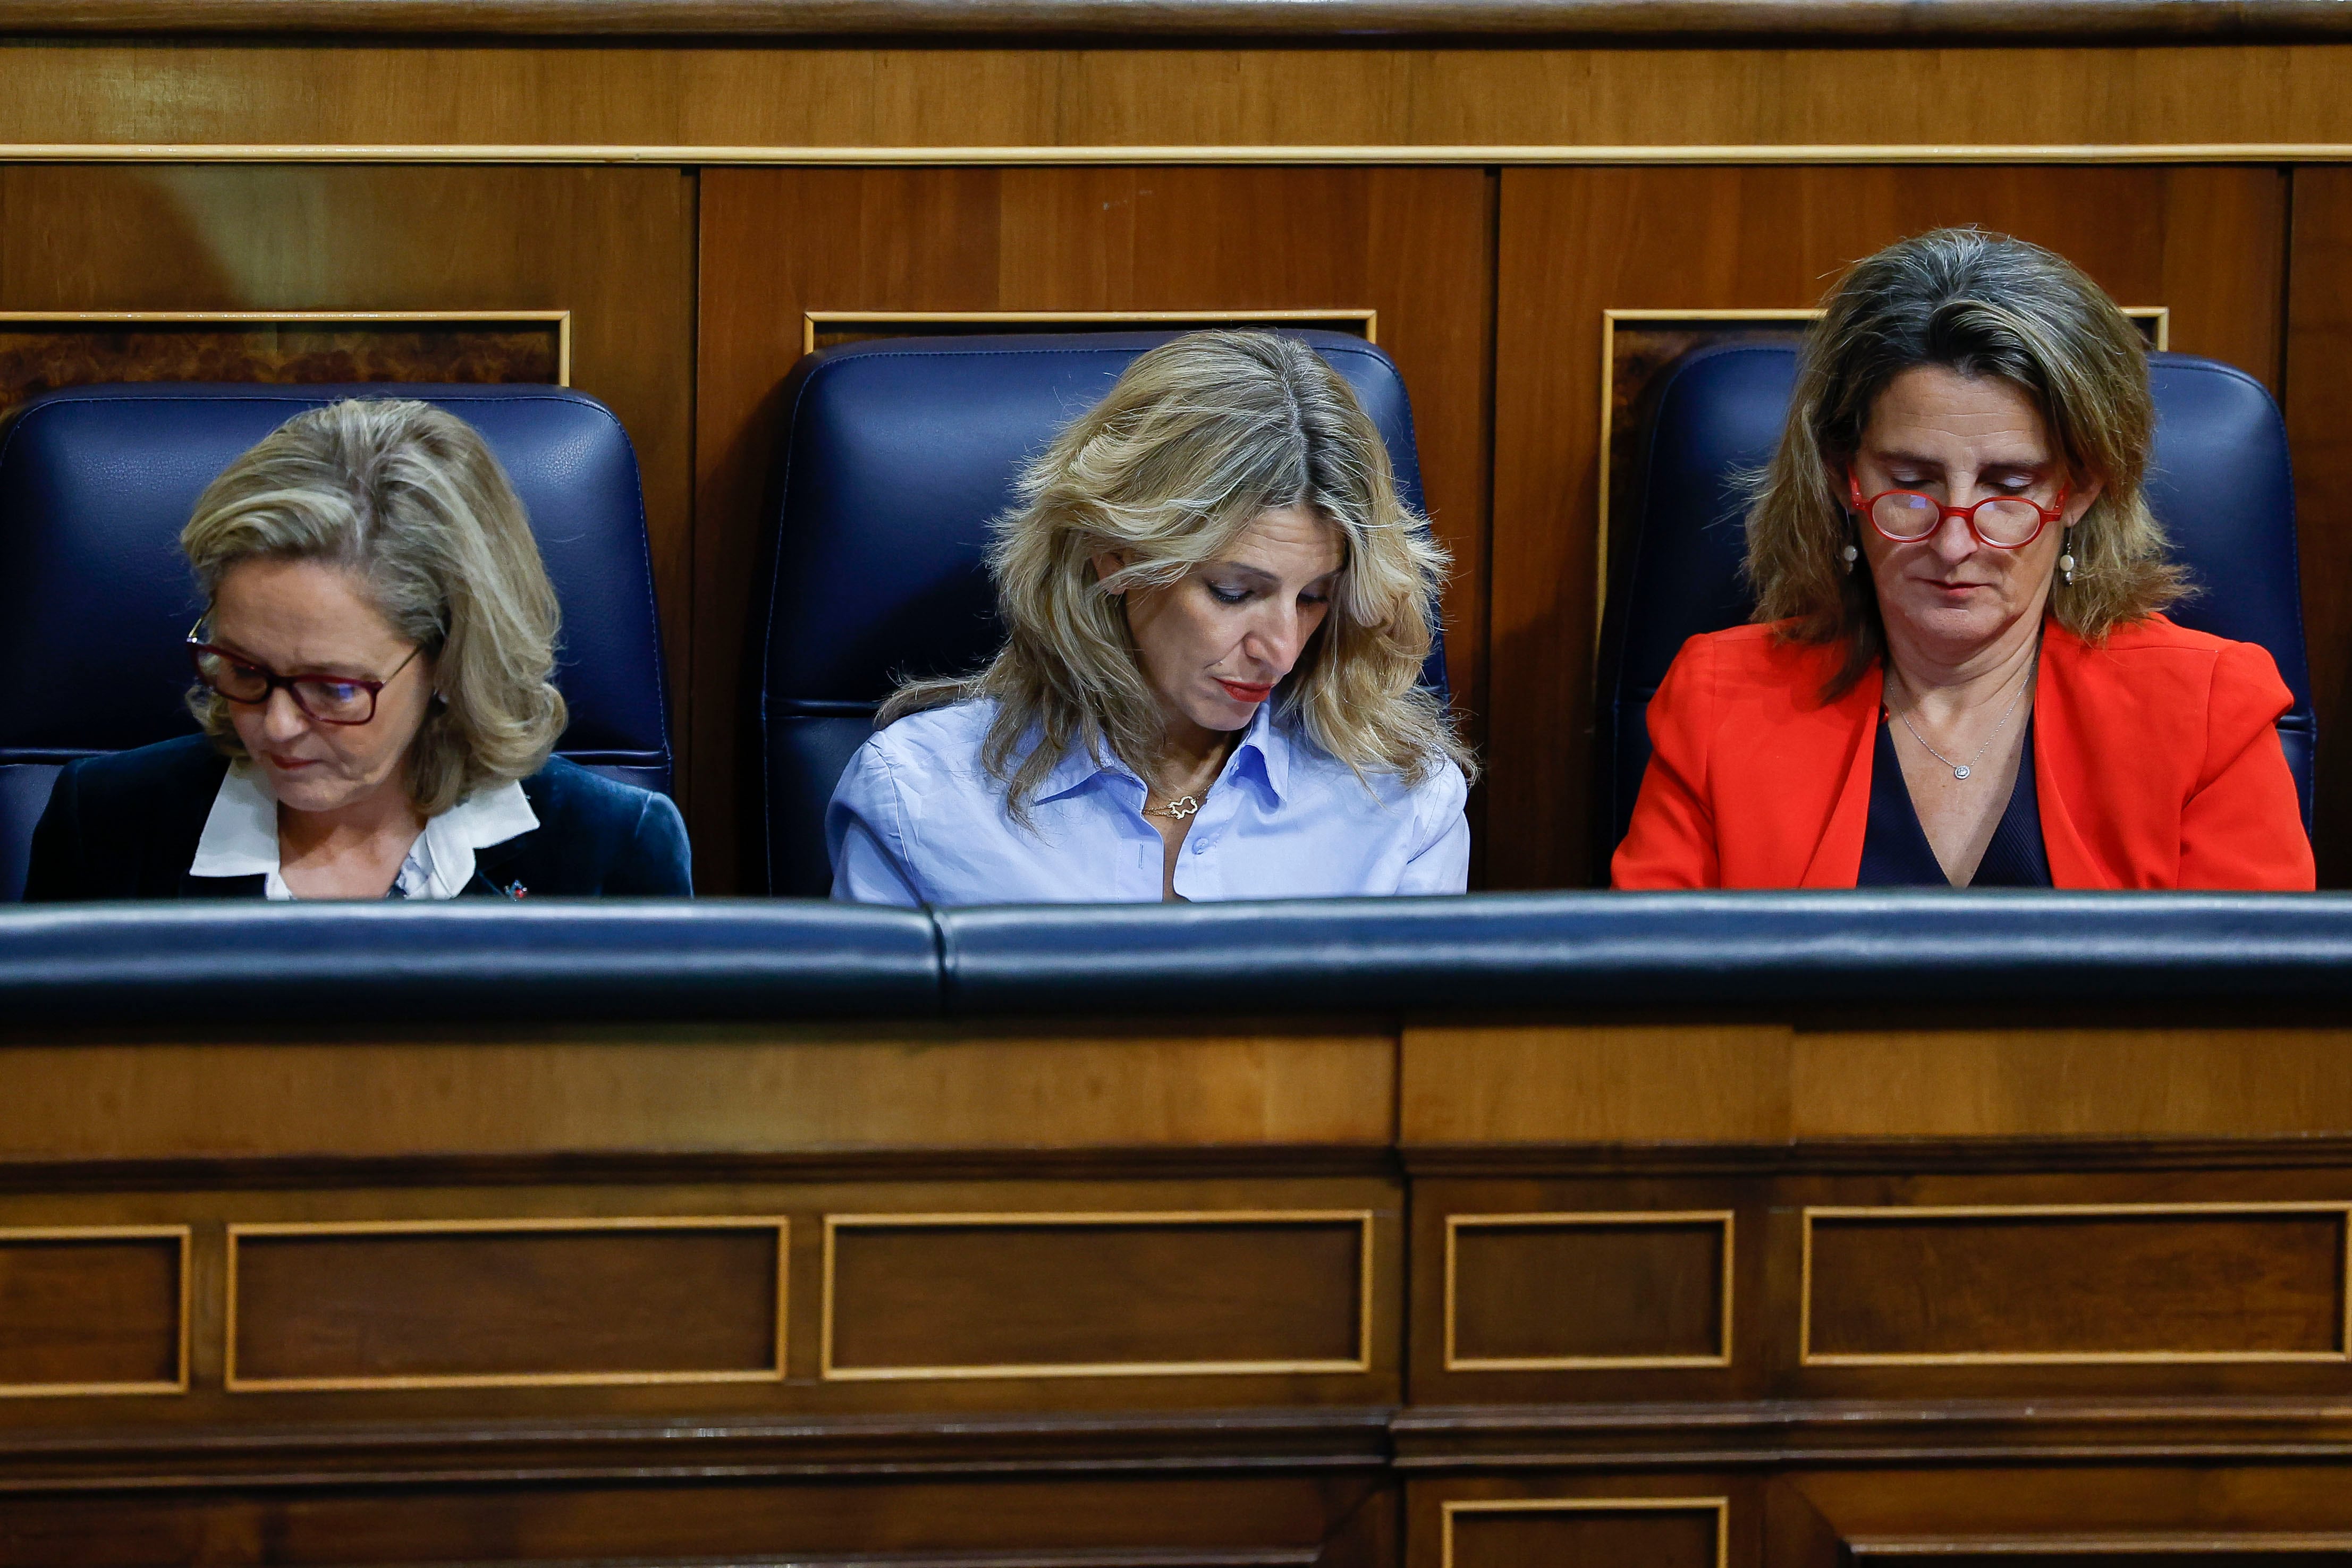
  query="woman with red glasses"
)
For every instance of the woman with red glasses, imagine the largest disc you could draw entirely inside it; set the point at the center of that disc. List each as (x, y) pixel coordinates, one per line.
(1961, 672)
(373, 677)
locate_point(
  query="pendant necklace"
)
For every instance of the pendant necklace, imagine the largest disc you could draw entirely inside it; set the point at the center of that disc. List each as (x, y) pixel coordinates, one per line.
(1178, 809)
(1962, 769)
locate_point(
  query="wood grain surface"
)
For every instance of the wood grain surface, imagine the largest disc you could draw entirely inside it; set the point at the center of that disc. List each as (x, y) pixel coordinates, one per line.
(1753, 1083)
(1298, 100)
(680, 1089)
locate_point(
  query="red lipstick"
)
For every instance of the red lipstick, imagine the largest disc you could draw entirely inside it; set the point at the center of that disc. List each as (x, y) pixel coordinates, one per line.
(1244, 691)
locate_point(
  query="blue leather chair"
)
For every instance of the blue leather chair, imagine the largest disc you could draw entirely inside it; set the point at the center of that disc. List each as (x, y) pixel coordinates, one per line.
(893, 457)
(96, 599)
(2220, 483)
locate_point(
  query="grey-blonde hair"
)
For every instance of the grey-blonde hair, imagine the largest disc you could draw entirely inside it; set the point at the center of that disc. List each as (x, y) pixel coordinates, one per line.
(1196, 440)
(1982, 305)
(408, 500)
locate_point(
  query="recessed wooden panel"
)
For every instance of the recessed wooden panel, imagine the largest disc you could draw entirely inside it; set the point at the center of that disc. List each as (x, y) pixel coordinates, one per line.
(98, 1310)
(829, 329)
(2079, 1283)
(1574, 243)
(1587, 1532)
(412, 1304)
(2318, 409)
(910, 1297)
(42, 352)
(1414, 245)
(1559, 1291)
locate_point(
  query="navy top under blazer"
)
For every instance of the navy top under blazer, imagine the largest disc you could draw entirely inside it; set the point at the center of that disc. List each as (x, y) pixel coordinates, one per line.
(126, 826)
(1894, 848)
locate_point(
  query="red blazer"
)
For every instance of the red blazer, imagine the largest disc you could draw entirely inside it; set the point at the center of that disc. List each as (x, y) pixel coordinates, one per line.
(2156, 762)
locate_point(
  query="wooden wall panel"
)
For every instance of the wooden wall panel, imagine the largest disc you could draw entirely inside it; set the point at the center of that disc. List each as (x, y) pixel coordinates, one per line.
(614, 247)
(711, 1089)
(1082, 1521)
(1666, 1300)
(98, 1310)
(926, 1298)
(1556, 1521)
(1586, 1532)
(1756, 1084)
(2208, 243)
(835, 94)
(2319, 434)
(489, 1303)
(1412, 244)
(1897, 1287)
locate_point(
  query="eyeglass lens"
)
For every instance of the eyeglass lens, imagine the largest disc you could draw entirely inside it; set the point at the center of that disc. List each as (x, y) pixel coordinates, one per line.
(2002, 521)
(337, 702)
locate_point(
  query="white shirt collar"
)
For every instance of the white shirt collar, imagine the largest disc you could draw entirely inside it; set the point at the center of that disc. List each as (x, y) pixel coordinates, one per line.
(240, 837)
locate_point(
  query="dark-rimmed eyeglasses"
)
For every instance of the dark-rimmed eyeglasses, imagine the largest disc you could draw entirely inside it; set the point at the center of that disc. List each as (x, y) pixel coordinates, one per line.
(329, 699)
(1999, 522)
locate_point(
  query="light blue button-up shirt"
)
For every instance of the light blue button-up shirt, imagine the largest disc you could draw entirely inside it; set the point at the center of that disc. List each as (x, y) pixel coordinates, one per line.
(917, 819)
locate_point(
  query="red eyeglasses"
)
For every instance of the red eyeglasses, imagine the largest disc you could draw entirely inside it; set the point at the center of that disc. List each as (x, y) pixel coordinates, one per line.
(2000, 522)
(329, 699)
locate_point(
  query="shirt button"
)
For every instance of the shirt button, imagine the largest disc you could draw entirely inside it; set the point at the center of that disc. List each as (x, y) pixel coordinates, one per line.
(1200, 846)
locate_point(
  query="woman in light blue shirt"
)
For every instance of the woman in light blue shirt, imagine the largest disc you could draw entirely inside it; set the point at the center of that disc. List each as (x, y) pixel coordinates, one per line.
(1219, 608)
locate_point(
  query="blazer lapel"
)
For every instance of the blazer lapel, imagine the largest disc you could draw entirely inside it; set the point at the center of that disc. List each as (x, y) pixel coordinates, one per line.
(2058, 762)
(1837, 860)
(499, 869)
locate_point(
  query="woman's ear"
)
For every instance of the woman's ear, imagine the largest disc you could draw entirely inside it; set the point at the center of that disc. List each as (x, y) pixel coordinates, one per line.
(2079, 501)
(1108, 564)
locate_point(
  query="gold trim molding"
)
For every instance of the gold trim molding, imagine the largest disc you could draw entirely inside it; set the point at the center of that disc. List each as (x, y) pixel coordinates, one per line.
(560, 320)
(1454, 1223)
(182, 1234)
(236, 1383)
(1806, 1356)
(1362, 1361)
(1565, 154)
(1720, 1507)
(813, 323)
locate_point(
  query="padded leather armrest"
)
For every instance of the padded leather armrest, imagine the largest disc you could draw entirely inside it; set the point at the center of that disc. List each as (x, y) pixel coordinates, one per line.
(473, 960)
(1679, 950)
(326, 964)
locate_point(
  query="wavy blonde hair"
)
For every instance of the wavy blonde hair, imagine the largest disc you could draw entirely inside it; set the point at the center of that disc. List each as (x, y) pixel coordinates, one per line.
(409, 499)
(1198, 438)
(1982, 305)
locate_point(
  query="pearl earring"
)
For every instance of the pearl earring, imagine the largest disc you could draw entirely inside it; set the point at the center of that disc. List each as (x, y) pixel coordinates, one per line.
(2066, 558)
(1849, 555)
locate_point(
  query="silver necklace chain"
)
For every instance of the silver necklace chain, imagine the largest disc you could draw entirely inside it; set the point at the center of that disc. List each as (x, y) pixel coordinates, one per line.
(1962, 769)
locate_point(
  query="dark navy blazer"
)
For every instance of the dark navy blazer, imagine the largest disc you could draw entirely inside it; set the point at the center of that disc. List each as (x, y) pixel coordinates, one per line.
(126, 826)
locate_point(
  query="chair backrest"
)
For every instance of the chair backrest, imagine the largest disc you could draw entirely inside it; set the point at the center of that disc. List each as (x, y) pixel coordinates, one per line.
(96, 599)
(2218, 482)
(893, 457)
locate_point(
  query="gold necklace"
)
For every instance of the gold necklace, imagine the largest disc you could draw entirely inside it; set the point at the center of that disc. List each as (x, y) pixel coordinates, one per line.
(1177, 810)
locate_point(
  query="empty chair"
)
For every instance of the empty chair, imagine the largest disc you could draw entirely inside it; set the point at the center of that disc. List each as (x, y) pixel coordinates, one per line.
(894, 456)
(2220, 483)
(96, 599)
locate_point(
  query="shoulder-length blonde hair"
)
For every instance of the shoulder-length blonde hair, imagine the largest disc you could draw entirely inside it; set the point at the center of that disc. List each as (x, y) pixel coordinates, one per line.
(1198, 438)
(1982, 305)
(409, 499)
